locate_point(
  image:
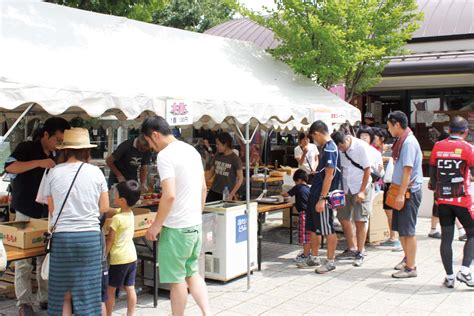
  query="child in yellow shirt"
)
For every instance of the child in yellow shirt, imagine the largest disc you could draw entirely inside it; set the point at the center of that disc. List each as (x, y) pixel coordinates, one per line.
(120, 246)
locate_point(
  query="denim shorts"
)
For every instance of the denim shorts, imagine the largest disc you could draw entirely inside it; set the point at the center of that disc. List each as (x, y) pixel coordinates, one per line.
(404, 221)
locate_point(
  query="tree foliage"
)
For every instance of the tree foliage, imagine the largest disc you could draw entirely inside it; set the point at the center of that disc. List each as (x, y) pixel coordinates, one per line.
(192, 15)
(334, 41)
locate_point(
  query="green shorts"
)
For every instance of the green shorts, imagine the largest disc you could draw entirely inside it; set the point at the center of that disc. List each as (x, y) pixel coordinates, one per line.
(178, 253)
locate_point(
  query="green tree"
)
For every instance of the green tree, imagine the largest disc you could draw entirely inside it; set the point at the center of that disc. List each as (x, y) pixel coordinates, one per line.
(333, 41)
(136, 9)
(192, 15)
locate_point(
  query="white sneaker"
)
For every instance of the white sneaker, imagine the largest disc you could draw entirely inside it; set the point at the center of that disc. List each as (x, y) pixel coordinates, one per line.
(465, 278)
(401, 265)
(310, 262)
(300, 259)
(449, 283)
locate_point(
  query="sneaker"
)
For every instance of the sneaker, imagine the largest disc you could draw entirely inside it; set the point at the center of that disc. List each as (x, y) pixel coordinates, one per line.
(359, 260)
(449, 283)
(390, 243)
(43, 306)
(463, 237)
(397, 248)
(400, 266)
(310, 262)
(436, 235)
(300, 258)
(465, 278)
(347, 255)
(26, 310)
(328, 267)
(405, 274)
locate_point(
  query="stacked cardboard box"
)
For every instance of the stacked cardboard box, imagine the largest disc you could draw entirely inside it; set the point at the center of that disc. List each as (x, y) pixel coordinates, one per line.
(378, 225)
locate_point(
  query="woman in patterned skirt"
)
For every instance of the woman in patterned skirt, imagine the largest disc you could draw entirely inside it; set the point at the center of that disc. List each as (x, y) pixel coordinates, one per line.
(76, 251)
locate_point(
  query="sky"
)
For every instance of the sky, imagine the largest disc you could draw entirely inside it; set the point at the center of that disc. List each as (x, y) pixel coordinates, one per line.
(256, 5)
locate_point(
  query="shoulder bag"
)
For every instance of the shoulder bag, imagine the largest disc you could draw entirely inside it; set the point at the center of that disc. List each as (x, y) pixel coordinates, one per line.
(374, 175)
(307, 160)
(392, 194)
(49, 235)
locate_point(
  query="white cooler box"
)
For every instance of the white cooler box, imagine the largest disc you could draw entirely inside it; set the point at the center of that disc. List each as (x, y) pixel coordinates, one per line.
(229, 259)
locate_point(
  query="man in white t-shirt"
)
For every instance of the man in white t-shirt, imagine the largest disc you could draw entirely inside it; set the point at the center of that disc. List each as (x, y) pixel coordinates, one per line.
(179, 217)
(306, 154)
(356, 169)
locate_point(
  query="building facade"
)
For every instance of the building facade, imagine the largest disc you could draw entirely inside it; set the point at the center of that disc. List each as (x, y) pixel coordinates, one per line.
(434, 82)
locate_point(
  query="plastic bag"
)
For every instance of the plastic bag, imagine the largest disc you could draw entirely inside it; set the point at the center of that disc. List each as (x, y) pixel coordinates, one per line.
(389, 171)
(45, 268)
(3, 255)
(41, 198)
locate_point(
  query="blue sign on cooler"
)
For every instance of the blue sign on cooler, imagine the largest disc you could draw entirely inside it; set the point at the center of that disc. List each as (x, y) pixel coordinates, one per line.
(241, 228)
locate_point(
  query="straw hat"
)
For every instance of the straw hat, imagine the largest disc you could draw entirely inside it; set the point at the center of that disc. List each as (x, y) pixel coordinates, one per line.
(76, 138)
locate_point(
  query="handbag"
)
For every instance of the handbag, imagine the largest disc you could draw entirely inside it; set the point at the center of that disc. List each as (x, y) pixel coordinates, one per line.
(374, 175)
(337, 197)
(41, 198)
(387, 178)
(49, 235)
(392, 194)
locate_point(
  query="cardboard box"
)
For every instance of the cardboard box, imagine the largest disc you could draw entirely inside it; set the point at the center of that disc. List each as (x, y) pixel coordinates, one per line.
(25, 234)
(143, 219)
(378, 224)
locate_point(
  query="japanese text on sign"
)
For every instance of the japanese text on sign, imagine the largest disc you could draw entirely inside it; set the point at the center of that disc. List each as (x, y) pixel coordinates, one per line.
(178, 112)
(241, 228)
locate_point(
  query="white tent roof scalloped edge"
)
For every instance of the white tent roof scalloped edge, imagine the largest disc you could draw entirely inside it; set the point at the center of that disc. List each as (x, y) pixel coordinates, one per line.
(63, 58)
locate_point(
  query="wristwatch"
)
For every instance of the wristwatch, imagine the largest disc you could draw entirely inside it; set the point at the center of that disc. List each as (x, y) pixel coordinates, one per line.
(323, 197)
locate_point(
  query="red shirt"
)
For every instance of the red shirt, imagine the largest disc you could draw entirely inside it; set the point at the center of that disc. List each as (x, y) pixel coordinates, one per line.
(453, 158)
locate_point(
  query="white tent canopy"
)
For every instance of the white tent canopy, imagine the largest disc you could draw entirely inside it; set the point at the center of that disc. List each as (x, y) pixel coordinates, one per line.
(60, 58)
(75, 62)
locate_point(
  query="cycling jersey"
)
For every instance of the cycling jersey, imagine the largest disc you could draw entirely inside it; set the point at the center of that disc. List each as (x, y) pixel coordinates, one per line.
(453, 159)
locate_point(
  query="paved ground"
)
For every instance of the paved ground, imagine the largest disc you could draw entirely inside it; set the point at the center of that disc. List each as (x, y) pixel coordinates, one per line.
(281, 289)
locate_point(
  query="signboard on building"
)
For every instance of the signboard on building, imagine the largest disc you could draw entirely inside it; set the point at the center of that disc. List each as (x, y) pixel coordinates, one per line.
(422, 110)
(339, 90)
(178, 112)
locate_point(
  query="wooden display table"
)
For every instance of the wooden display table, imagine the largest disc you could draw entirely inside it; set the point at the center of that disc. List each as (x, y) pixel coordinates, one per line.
(268, 179)
(14, 254)
(265, 208)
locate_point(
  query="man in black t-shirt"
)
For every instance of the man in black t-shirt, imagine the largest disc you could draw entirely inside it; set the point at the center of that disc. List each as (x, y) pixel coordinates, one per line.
(127, 158)
(26, 166)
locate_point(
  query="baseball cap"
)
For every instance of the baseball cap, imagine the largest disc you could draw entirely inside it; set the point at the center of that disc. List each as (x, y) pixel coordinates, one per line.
(369, 115)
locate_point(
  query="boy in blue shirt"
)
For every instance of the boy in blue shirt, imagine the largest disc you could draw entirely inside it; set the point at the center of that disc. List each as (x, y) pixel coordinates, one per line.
(328, 177)
(306, 238)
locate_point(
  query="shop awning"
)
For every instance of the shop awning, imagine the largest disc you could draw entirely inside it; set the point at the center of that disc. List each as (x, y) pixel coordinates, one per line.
(69, 60)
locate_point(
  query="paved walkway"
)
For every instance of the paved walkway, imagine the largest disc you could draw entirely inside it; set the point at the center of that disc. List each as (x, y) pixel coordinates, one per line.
(282, 289)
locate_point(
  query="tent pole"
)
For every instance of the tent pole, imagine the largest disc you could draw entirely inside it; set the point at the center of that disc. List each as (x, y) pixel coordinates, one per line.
(247, 195)
(18, 120)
